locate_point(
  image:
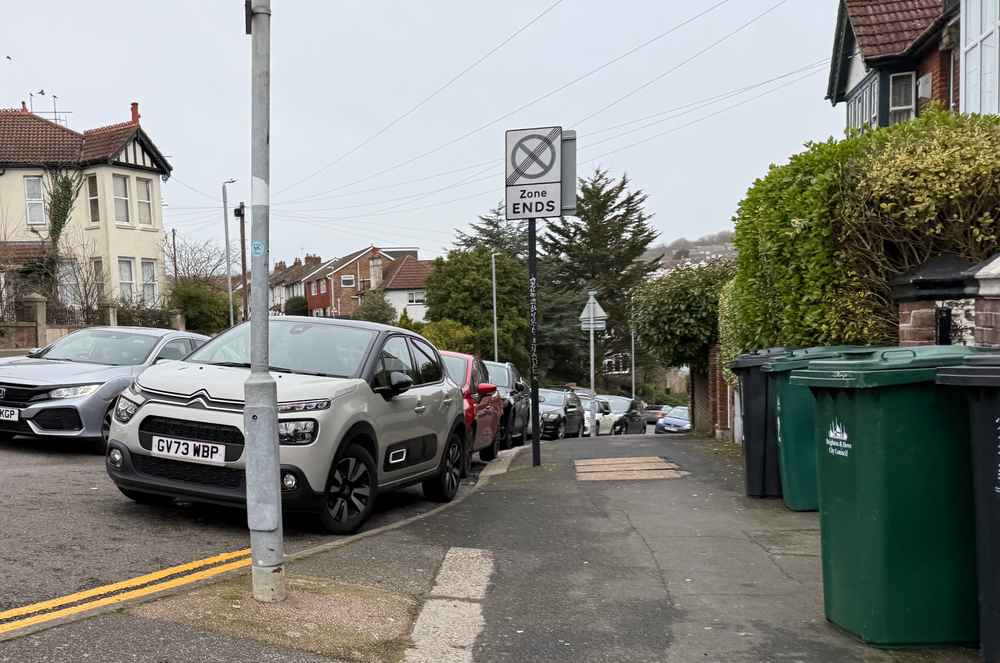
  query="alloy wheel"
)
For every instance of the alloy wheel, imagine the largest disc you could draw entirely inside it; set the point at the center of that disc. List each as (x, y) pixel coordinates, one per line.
(453, 468)
(350, 490)
(561, 433)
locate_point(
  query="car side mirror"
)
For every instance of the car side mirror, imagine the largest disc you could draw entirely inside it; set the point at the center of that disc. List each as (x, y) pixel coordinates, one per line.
(485, 389)
(399, 382)
(519, 386)
(33, 352)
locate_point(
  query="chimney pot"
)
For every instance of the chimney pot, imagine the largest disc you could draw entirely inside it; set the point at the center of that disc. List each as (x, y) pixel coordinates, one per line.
(24, 107)
(135, 112)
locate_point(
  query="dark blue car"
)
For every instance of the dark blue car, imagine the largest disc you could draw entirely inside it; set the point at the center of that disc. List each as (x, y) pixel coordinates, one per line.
(678, 420)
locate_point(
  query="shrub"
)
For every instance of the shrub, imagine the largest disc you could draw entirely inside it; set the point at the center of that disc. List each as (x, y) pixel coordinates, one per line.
(375, 308)
(137, 315)
(450, 335)
(820, 238)
(296, 306)
(205, 309)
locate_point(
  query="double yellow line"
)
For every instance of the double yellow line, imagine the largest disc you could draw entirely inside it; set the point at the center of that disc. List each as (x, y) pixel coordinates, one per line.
(144, 585)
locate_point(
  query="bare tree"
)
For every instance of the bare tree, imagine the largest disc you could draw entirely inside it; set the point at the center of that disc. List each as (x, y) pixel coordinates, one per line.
(62, 186)
(81, 279)
(198, 261)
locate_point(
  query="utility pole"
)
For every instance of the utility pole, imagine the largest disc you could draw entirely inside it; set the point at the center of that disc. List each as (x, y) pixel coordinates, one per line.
(536, 448)
(633, 362)
(173, 233)
(493, 269)
(260, 414)
(592, 304)
(241, 212)
(229, 267)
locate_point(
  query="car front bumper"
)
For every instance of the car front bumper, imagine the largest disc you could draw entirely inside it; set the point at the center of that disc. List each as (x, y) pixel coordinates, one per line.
(660, 428)
(80, 417)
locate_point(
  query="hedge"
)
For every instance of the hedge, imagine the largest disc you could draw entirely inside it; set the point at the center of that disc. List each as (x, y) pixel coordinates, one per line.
(820, 238)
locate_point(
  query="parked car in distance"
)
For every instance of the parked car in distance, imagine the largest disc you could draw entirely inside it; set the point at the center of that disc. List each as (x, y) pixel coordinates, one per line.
(653, 412)
(362, 408)
(628, 416)
(68, 388)
(560, 413)
(605, 419)
(481, 404)
(677, 420)
(517, 402)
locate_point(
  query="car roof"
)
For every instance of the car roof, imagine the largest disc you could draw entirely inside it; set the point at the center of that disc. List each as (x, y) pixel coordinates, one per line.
(343, 322)
(149, 331)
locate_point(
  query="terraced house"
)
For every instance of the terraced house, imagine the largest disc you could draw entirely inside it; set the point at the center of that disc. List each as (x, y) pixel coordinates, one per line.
(115, 229)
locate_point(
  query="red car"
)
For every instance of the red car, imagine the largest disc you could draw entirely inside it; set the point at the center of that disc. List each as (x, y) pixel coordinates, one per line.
(482, 404)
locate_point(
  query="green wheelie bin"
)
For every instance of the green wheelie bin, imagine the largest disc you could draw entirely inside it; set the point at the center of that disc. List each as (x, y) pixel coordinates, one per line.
(794, 412)
(896, 511)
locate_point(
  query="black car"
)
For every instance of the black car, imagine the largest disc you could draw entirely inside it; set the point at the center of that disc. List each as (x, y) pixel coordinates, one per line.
(560, 412)
(517, 403)
(630, 418)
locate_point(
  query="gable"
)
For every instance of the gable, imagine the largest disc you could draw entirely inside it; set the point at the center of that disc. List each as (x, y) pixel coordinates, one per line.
(134, 154)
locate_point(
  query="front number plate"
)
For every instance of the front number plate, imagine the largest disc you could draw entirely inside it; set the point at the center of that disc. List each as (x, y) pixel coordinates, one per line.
(9, 414)
(198, 452)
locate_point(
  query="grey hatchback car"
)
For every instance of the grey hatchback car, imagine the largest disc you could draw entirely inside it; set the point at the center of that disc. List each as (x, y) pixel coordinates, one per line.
(68, 389)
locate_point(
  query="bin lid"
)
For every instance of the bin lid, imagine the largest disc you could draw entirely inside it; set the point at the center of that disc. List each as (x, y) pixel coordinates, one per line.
(756, 358)
(981, 369)
(800, 358)
(881, 367)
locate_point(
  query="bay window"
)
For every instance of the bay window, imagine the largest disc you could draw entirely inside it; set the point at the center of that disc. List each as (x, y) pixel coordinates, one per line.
(126, 280)
(121, 199)
(149, 294)
(902, 97)
(980, 56)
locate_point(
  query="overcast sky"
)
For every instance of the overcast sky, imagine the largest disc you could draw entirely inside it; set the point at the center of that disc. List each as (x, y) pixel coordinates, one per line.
(342, 70)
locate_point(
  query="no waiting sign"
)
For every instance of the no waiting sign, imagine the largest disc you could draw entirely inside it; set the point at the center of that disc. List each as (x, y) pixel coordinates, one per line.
(536, 171)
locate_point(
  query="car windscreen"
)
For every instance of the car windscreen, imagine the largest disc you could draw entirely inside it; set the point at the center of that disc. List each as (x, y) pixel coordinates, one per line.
(310, 348)
(103, 346)
(557, 398)
(680, 413)
(498, 374)
(456, 368)
(618, 405)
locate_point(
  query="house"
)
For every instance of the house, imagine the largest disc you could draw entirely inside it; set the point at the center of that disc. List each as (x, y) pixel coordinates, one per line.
(286, 281)
(336, 288)
(892, 58)
(980, 62)
(115, 229)
(405, 286)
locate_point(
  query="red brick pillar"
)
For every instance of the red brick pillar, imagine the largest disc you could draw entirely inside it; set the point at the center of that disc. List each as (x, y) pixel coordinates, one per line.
(987, 277)
(936, 303)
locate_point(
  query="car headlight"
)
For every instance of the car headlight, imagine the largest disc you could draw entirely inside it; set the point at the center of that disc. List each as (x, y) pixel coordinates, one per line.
(550, 416)
(72, 392)
(301, 431)
(304, 406)
(125, 409)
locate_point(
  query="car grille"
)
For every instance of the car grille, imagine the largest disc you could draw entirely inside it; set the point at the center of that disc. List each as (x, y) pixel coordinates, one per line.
(191, 430)
(20, 395)
(59, 418)
(177, 470)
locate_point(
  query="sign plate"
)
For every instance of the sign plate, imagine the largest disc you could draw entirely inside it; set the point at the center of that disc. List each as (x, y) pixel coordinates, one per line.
(533, 172)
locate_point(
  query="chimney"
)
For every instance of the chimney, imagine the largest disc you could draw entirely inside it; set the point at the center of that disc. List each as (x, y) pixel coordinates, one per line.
(297, 263)
(24, 107)
(312, 259)
(280, 266)
(135, 112)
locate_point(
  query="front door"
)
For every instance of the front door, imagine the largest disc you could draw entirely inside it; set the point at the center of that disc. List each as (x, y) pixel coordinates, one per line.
(400, 443)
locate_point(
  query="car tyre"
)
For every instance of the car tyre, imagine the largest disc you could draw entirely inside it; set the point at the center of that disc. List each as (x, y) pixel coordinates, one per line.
(561, 431)
(151, 499)
(350, 491)
(444, 486)
(100, 445)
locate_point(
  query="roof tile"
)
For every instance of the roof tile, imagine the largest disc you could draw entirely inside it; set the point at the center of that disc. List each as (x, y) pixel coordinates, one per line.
(887, 28)
(30, 140)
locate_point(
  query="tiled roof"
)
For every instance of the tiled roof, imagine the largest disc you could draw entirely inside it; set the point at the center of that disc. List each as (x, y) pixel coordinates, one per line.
(887, 28)
(29, 140)
(407, 273)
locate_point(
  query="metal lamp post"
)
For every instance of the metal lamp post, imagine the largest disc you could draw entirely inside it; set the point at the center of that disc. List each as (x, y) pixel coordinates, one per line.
(229, 269)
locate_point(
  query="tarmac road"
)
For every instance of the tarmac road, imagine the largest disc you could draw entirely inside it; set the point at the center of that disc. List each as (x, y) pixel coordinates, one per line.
(66, 528)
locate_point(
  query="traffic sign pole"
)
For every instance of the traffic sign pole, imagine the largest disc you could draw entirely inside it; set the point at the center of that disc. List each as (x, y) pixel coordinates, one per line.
(593, 383)
(536, 431)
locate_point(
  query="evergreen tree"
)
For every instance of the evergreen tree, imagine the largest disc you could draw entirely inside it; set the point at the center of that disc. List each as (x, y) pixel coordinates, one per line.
(495, 233)
(375, 308)
(602, 249)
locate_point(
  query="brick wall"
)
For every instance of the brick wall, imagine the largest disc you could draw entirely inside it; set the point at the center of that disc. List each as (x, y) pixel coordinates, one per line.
(718, 392)
(987, 329)
(347, 300)
(916, 323)
(937, 64)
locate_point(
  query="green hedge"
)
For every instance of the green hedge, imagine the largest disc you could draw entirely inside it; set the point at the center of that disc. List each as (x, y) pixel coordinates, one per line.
(819, 238)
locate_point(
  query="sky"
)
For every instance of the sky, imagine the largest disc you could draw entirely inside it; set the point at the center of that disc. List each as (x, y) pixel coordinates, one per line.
(388, 116)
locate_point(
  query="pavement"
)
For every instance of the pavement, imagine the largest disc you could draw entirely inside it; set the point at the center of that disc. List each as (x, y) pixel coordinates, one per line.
(549, 564)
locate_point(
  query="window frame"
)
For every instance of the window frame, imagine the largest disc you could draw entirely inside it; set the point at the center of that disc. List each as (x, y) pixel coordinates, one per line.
(973, 41)
(912, 107)
(379, 366)
(415, 344)
(29, 202)
(156, 288)
(353, 281)
(182, 340)
(322, 286)
(312, 288)
(94, 198)
(139, 182)
(130, 299)
(412, 299)
(114, 193)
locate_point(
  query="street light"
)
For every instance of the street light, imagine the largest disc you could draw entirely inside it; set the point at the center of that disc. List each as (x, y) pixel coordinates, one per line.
(229, 269)
(493, 269)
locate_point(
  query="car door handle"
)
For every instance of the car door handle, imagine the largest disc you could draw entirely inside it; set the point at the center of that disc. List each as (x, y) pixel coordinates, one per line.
(420, 408)
(446, 401)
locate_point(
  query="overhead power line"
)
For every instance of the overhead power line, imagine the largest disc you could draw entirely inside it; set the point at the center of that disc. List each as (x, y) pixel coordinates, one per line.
(696, 55)
(534, 101)
(426, 99)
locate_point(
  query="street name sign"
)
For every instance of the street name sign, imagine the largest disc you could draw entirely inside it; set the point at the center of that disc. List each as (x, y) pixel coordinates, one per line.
(533, 176)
